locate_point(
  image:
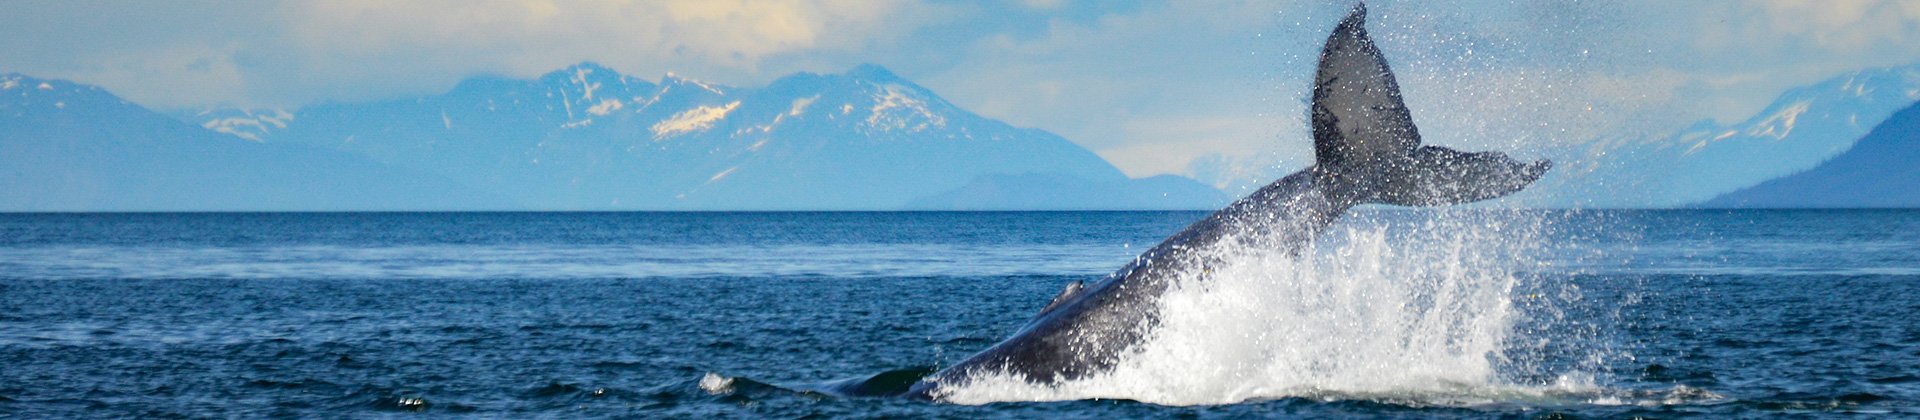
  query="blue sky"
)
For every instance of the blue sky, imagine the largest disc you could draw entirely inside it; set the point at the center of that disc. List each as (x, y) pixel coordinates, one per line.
(1151, 86)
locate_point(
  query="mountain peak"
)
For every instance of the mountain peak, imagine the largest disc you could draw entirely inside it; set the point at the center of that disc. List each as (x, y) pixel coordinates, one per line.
(582, 71)
(873, 72)
(12, 81)
(589, 66)
(580, 137)
(1877, 172)
(54, 93)
(674, 79)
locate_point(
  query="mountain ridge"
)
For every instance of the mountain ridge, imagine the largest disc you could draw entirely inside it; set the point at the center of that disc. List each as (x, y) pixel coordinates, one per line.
(60, 156)
(585, 137)
(861, 140)
(1877, 172)
(1798, 130)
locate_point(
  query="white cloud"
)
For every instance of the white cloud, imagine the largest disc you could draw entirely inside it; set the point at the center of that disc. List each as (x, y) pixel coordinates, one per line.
(1741, 54)
(206, 73)
(727, 33)
(1844, 25)
(1167, 145)
(365, 42)
(1149, 89)
(1043, 4)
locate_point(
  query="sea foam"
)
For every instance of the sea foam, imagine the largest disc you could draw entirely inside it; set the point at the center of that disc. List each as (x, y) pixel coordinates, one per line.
(1412, 307)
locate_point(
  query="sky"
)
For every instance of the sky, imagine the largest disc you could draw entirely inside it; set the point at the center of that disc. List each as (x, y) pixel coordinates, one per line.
(1153, 86)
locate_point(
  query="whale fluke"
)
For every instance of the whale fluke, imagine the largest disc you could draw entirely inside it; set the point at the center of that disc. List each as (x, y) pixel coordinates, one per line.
(1362, 130)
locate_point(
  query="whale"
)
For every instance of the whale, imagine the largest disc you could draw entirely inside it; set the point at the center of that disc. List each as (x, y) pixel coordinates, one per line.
(1366, 151)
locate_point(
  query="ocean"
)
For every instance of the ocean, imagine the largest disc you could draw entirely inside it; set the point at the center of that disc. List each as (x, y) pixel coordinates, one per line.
(1393, 313)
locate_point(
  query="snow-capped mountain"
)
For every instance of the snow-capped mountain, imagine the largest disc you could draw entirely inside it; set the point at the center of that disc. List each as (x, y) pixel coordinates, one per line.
(1877, 172)
(587, 137)
(71, 147)
(583, 137)
(1802, 128)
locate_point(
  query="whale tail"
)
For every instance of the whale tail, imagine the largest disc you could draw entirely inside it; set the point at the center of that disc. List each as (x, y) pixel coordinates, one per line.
(1363, 131)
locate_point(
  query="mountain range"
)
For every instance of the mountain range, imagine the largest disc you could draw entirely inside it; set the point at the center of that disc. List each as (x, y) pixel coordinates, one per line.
(580, 138)
(1799, 130)
(1879, 171)
(588, 138)
(67, 147)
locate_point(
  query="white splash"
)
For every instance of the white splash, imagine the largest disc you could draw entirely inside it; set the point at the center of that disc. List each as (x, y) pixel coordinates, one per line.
(715, 384)
(1416, 313)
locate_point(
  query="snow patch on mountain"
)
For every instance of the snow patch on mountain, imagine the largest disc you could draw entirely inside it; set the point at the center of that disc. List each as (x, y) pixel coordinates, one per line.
(605, 107)
(672, 78)
(800, 105)
(1780, 124)
(251, 125)
(587, 86)
(696, 119)
(895, 109)
(1803, 127)
(722, 175)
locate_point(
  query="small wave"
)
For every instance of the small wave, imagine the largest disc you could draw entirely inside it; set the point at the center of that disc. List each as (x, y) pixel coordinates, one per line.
(1797, 402)
(296, 384)
(1657, 373)
(615, 365)
(563, 394)
(378, 398)
(741, 390)
(555, 389)
(1901, 379)
(1676, 396)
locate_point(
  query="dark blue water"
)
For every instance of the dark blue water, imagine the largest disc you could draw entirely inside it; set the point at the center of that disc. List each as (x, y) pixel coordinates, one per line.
(1615, 313)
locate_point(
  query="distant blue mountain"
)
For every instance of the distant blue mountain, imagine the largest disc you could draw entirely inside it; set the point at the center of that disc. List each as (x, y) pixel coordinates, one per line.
(588, 138)
(68, 147)
(1882, 170)
(1802, 128)
(580, 138)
